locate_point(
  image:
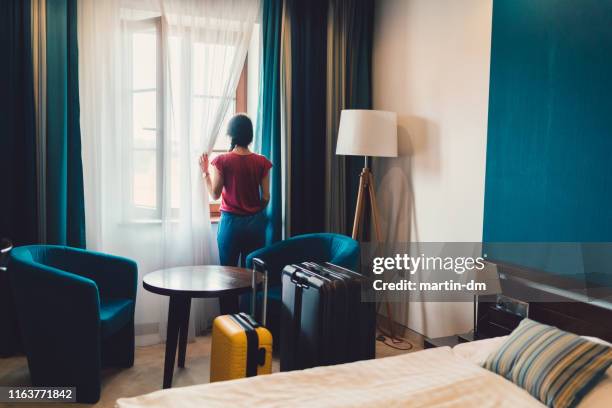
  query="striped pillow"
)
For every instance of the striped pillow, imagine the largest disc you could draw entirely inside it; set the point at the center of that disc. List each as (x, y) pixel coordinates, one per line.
(556, 367)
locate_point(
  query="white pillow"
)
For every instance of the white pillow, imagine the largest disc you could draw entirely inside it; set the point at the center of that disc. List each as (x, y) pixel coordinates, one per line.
(477, 351)
(597, 340)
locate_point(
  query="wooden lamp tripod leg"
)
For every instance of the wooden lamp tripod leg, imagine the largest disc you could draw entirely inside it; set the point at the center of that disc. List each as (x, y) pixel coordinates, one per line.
(360, 203)
(366, 186)
(374, 209)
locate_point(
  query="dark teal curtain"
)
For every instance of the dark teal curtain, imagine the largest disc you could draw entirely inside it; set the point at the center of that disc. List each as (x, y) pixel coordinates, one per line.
(18, 207)
(359, 15)
(18, 210)
(65, 215)
(308, 115)
(308, 22)
(269, 130)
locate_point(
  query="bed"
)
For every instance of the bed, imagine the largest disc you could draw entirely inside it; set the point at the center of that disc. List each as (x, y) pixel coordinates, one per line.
(439, 377)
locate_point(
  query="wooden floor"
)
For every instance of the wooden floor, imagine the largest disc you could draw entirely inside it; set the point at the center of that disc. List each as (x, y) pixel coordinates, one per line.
(146, 374)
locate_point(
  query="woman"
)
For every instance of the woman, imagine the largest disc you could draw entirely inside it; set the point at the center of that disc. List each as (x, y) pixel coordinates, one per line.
(242, 179)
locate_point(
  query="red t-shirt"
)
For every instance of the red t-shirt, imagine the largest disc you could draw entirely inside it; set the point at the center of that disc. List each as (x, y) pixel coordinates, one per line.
(242, 175)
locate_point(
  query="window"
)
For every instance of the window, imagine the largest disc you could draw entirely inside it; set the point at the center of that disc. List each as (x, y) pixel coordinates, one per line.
(148, 146)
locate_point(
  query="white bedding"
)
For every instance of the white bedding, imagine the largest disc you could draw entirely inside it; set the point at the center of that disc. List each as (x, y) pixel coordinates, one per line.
(430, 378)
(438, 377)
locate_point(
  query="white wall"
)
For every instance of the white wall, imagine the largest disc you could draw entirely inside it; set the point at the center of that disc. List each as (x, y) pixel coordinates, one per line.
(431, 66)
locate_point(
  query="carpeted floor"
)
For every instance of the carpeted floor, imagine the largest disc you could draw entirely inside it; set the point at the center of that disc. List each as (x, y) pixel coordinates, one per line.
(146, 374)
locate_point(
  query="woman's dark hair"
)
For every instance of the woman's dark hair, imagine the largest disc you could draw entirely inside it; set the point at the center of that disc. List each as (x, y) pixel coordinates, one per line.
(240, 130)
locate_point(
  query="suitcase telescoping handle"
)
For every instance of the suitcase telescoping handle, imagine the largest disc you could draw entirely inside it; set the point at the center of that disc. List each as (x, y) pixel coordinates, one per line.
(260, 265)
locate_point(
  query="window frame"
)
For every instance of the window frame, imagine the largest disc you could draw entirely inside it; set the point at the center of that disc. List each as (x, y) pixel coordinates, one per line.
(136, 213)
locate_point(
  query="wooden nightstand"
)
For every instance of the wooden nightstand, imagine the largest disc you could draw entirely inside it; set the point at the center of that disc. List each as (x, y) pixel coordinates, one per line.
(450, 341)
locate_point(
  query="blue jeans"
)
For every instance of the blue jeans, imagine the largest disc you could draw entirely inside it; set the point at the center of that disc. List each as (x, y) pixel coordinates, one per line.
(239, 235)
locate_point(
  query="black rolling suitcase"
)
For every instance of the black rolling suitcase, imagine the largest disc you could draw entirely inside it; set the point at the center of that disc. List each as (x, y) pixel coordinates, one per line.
(323, 320)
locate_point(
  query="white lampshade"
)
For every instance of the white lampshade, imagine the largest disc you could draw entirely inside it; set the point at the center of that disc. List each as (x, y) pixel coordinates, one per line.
(367, 133)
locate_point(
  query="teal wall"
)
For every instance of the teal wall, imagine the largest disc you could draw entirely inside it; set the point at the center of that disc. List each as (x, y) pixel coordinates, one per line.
(549, 148)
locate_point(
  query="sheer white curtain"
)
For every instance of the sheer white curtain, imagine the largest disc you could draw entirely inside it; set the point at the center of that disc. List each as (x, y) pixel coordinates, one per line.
(156, 78)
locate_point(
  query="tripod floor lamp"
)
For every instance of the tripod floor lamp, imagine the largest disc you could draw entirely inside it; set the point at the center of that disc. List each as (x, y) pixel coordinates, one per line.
(368, 133)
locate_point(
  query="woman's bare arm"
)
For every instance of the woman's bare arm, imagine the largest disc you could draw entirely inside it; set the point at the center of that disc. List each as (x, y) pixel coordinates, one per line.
(265, 190)
(215, 183)
(212, 177)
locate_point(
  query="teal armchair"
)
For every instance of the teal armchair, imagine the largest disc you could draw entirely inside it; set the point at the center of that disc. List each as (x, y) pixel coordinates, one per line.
(320, 247)
(76, 314)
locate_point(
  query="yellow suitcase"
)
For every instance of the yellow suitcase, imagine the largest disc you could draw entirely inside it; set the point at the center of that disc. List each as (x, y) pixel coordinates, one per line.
(241, 347)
